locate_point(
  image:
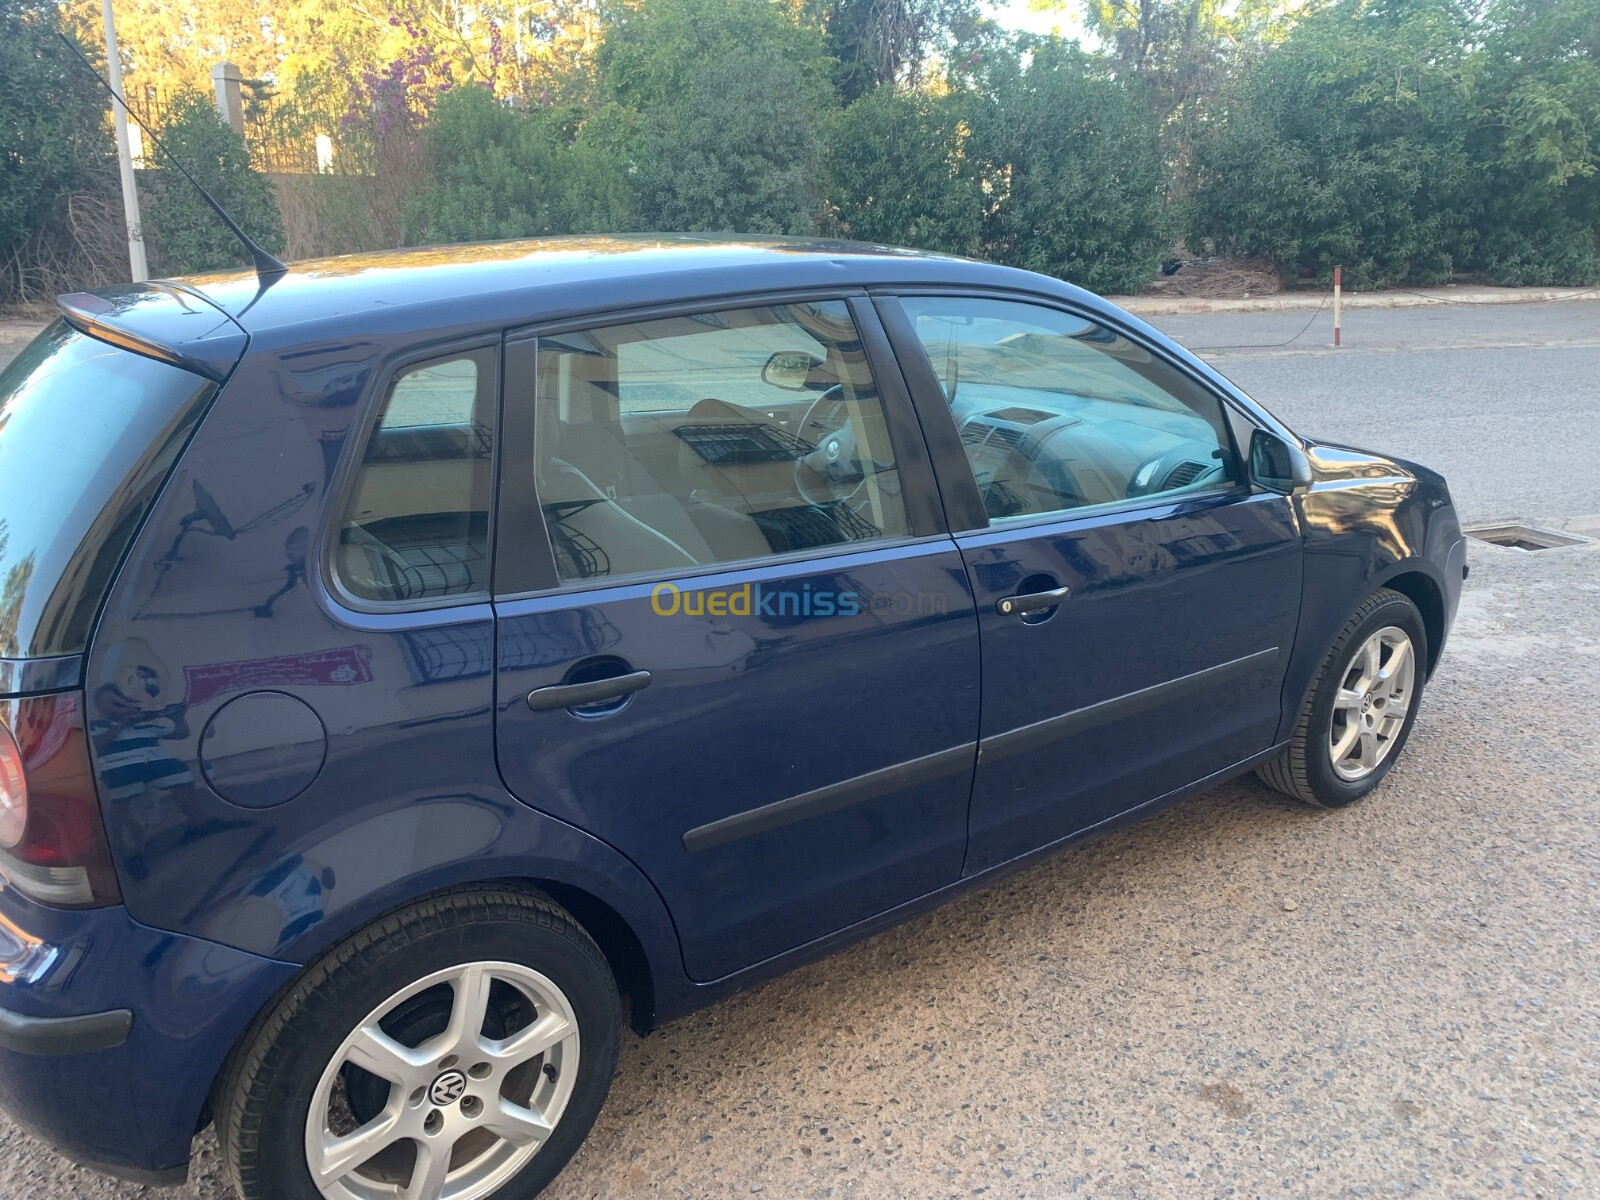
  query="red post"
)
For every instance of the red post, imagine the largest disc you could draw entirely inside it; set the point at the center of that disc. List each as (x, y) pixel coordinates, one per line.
(1338, 279)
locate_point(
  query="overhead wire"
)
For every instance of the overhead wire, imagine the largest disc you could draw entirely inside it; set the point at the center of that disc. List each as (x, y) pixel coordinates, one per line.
(1304, 329)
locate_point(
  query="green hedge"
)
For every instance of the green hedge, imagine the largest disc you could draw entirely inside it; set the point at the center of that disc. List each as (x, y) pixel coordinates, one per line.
(1407, 140)
(1043, 161)
(1346, 146)
(1073, 169)
(56, 162)
(496, 172)
(182, 235)
(900, 173)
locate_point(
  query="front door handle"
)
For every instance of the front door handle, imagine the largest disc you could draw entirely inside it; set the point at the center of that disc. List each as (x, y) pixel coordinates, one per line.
(581, 695)
(1010, 606)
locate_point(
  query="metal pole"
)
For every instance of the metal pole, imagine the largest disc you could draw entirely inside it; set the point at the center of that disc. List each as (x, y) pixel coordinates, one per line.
(1338, 272)
(130, 191)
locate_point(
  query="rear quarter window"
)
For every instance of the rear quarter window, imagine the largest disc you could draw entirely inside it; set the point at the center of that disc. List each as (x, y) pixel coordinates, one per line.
(416, 530)
(88, 433)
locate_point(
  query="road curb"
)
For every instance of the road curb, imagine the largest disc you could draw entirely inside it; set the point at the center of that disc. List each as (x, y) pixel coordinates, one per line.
(1158, 306)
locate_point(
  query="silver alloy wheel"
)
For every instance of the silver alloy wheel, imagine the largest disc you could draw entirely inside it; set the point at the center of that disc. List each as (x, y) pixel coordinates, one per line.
(1375, 694)
(464, 1112)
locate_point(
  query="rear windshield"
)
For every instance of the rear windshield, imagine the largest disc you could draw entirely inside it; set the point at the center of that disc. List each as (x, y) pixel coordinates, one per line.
(88, 433)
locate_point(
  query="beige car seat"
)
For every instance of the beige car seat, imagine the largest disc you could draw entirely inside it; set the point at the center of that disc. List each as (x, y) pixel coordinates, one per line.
(604, 501)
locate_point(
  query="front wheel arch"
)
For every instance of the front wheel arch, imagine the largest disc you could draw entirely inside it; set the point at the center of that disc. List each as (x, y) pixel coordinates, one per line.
(1303, 770)
(1421, 589)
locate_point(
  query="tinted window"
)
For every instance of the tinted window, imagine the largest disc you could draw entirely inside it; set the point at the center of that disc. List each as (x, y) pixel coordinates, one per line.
(1057, 412)
(418, 523)
(88, 433)
(713, 438)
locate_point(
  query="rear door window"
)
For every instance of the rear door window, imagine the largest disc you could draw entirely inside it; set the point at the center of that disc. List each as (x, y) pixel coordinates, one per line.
(717, 437)
(88, 433)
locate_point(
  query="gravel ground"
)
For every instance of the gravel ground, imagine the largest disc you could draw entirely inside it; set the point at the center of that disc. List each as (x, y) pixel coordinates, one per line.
(1241, 997)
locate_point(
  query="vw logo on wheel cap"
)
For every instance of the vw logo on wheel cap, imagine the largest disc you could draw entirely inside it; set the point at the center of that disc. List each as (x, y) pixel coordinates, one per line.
(447, 1088)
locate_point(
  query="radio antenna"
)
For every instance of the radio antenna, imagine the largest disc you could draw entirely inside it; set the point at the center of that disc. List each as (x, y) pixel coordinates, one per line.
(268, 266)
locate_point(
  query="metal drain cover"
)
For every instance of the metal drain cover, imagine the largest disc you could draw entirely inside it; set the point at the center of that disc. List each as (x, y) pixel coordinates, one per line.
(1525, 537)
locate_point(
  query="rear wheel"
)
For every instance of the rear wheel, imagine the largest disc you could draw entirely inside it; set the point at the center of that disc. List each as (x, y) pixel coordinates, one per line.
(457, 1050)
(1360, 709)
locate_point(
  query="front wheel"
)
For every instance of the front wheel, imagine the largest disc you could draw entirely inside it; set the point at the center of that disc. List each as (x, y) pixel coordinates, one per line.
(1360, 709)
(457, 1050)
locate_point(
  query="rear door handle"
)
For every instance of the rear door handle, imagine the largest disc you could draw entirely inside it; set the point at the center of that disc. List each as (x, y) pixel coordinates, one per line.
(1010, 606)
(580, 695)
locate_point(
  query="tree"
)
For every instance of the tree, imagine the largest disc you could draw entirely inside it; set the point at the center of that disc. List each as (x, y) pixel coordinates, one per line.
(183, 234)
(1177, 50)
(722, 109)
(898, 173)
(61, 223)
(878, 42)
(1073, 171)
(1347, 146)
(497, 172)
(1537, 143)
(173, 45)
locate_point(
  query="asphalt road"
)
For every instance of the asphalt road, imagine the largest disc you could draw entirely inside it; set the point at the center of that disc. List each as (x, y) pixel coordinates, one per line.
(1503, 398)
(1241, 997)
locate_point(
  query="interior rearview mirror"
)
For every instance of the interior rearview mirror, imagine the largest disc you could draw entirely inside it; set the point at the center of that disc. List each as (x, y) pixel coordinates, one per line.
(790, 370)
(1278, 465)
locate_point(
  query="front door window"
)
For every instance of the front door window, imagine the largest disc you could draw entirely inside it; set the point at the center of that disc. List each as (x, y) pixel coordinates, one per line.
(1057, 412)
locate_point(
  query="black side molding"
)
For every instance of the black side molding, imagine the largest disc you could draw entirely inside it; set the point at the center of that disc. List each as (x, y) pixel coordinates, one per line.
(1041, 733)
(959, 758)
(64, 1035)
(831, 798)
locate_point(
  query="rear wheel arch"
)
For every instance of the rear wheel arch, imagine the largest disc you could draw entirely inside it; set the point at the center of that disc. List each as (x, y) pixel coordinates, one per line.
(515, 934)
(621, 946)
(630, 965)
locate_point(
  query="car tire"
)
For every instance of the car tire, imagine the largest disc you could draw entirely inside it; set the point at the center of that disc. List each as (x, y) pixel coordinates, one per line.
(1343, 703)
(428, 997)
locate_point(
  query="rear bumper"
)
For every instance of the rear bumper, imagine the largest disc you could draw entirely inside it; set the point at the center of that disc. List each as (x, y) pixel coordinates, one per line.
(64, 1035)
(111, 1033)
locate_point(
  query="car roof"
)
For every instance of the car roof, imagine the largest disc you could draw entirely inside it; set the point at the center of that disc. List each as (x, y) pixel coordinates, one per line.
(208, 322)
(439, 291)
(540, 279)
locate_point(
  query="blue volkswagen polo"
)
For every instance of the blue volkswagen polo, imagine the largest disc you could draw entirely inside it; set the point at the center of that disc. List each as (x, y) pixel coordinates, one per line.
(415, 666)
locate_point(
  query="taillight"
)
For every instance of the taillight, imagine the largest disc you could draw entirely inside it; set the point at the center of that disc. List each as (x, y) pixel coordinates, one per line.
(52, 842)
(13, 791)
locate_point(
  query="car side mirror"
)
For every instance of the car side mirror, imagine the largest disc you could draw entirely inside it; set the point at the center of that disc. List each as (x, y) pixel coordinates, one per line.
(790, 370)
(1278, 465)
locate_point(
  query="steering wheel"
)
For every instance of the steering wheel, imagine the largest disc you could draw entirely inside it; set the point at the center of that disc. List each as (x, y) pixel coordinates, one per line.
(1152, 474)
(834, 461)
